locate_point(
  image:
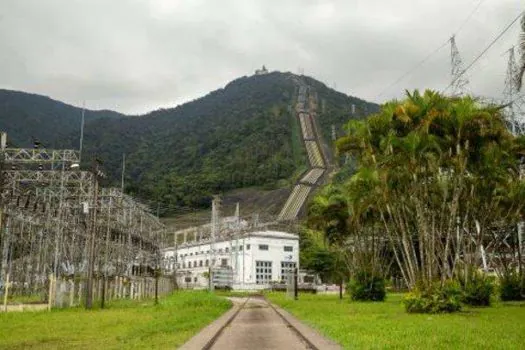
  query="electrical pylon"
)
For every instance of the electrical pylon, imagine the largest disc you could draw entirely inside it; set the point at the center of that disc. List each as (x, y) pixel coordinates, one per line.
(513, 99)
(460, 83)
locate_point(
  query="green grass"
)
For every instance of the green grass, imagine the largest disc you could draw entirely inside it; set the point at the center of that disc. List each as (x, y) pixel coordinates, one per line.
(123, 325)
(387, 326)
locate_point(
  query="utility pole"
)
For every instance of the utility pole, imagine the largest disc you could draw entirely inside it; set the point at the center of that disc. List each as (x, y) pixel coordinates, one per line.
(106, 252)
(3, 262)
(93, 229)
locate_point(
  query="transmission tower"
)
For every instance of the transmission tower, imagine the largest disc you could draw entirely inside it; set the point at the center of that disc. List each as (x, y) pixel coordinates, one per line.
(513, 99)
(460, 83)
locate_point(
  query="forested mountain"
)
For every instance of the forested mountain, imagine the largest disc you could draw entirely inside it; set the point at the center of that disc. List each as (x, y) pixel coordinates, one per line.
(25, 116)
(242, 135)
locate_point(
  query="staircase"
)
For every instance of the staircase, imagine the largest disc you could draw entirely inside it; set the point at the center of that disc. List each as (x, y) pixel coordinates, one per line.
(305, 185)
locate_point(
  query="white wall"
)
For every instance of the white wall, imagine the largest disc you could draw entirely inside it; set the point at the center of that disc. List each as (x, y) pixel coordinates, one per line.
(242, 261)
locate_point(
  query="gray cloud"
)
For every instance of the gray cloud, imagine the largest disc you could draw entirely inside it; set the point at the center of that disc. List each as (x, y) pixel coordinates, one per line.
(138, 55)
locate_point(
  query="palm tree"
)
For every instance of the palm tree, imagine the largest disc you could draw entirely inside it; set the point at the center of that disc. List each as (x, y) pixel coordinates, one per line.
(435, 171)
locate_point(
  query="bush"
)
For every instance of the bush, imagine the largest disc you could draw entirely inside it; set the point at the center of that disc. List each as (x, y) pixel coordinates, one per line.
(510, 287)
(477, 290)
(435, 299)
(367, 287)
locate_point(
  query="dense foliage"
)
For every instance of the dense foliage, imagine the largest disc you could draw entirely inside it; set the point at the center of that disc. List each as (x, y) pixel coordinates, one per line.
(438, 298)
(26, 116)
(435, 180)
(511, 287)
(431, 165)
(477, 289)
(365, 286)
(240, 136)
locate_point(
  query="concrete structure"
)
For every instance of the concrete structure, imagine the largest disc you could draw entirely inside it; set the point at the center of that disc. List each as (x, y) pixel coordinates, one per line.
(261, 71)
(255, 259)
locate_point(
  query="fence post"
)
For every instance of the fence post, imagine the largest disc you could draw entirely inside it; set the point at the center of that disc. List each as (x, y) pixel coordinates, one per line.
(6, 291)
(80, 292)
(71, 293)
(50, 297)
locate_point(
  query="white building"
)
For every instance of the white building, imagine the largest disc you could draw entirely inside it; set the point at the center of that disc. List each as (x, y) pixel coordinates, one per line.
(255, 259)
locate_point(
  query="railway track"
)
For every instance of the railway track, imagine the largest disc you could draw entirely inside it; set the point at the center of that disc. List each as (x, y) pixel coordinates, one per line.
(257, 325)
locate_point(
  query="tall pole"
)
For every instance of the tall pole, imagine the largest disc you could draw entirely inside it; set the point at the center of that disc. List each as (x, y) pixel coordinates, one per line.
(91, 255)
(106, 251)
(123, 172)
(3, 234)
(82, 132)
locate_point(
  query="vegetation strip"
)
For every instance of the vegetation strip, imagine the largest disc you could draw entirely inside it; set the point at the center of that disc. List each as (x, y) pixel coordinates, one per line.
(124, 324)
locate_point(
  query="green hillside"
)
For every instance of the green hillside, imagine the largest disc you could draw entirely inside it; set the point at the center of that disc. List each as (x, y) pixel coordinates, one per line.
(243, 135)
(24, 116)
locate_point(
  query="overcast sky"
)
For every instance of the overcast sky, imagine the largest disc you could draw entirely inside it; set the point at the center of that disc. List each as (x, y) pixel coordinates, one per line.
(137, 55)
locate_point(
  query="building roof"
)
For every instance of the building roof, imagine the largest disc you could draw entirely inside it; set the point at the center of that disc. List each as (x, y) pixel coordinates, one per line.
(262, 234)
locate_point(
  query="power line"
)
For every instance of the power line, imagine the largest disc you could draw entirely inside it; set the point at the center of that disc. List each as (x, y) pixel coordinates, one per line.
(424, 60)
(486, 50)
(469, 17)
(410, 71)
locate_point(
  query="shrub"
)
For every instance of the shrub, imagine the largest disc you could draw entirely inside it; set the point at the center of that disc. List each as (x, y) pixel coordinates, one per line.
(510, 287)
(477, 290)
(367, 287)
(434, 299)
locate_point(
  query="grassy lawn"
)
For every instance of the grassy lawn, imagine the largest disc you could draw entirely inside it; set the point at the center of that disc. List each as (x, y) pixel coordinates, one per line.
(124, 324)
(387, 325)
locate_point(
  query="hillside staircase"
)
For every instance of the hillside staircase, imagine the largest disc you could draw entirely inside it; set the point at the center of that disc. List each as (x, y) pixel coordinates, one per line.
(305, 111)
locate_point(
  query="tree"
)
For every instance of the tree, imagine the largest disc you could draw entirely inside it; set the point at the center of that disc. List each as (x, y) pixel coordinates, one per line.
(439, 174)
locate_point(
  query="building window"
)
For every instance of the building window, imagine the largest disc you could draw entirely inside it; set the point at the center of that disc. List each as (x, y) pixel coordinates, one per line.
(220, 251)
(200, 263)
(207, 263)
(191, 253)
(287, 268)
(195, 280)
(183, 265)
(247, 247)
(224, 262)
(288, 248)
(263, 246)
(195, 263)
(263, 272)
(187, 279)
(226, 250)
(240, 248)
